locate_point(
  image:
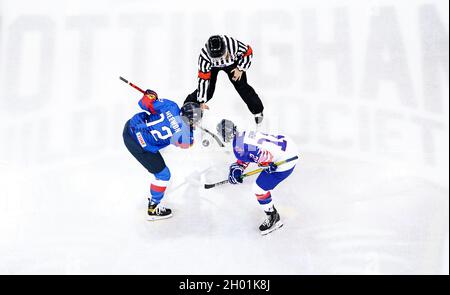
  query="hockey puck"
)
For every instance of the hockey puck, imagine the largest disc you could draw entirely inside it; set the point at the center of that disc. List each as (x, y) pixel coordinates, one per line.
(205, 142)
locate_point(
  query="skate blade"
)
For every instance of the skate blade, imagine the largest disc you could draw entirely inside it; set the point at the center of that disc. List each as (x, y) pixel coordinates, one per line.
(155, 218)
(275, 227)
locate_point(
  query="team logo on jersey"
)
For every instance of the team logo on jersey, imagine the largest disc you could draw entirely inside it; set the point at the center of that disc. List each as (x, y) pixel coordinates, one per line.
(141, 139)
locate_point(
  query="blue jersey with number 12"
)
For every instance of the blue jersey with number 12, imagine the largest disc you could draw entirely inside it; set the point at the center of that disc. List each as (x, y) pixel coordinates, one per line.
(160, 126)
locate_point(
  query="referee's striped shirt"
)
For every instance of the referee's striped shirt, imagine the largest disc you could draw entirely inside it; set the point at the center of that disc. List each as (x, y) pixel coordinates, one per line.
(236, 51)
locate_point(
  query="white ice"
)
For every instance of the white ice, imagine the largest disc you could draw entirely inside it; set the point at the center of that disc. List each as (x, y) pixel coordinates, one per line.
(73, 200)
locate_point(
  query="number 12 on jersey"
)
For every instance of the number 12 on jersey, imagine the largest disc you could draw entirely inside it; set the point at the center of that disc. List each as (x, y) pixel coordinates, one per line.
(156, 133)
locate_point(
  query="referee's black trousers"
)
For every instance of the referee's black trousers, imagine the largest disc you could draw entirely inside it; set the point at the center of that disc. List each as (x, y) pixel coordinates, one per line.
(246, 92)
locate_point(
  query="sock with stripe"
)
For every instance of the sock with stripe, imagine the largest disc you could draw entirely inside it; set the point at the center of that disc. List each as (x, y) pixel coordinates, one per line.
(159, 185)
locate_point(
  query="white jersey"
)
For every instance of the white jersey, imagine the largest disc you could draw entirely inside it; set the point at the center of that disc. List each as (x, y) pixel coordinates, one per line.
(261, 148)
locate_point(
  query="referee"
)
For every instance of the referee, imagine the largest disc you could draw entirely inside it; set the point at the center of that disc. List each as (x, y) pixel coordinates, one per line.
(234, 57)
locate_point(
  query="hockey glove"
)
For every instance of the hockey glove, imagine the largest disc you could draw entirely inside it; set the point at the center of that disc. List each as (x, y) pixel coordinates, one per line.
(271, 168)
(235, 175)
(152, 94)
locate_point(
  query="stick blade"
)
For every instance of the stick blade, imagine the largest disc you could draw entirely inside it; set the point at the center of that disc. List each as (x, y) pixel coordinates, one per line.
(123, 79)
(208, 186)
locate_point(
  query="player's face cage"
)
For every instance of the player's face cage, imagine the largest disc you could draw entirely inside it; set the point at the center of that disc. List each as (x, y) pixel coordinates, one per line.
(226, 130)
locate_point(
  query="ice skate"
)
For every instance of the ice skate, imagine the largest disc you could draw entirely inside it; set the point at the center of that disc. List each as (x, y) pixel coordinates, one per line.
(157, 212)
(271, 223)
(259, 118)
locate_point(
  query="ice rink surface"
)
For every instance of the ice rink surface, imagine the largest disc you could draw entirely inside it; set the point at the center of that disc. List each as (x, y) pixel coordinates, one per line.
(366, 103)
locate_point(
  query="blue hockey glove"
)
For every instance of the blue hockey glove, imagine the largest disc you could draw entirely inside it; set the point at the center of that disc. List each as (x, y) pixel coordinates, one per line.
(235, 173)
(271, 168)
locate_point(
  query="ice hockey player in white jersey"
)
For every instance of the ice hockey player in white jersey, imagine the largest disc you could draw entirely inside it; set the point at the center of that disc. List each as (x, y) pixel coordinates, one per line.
(265, 150)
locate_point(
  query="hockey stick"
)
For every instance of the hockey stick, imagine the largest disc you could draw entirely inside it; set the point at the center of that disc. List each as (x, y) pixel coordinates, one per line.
(214, 136)
(131, 84)
(204, 129)
(208, 186)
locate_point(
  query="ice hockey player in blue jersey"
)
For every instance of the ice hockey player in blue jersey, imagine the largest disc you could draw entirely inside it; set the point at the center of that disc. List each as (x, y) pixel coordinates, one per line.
(162, 123)
(264, 150)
